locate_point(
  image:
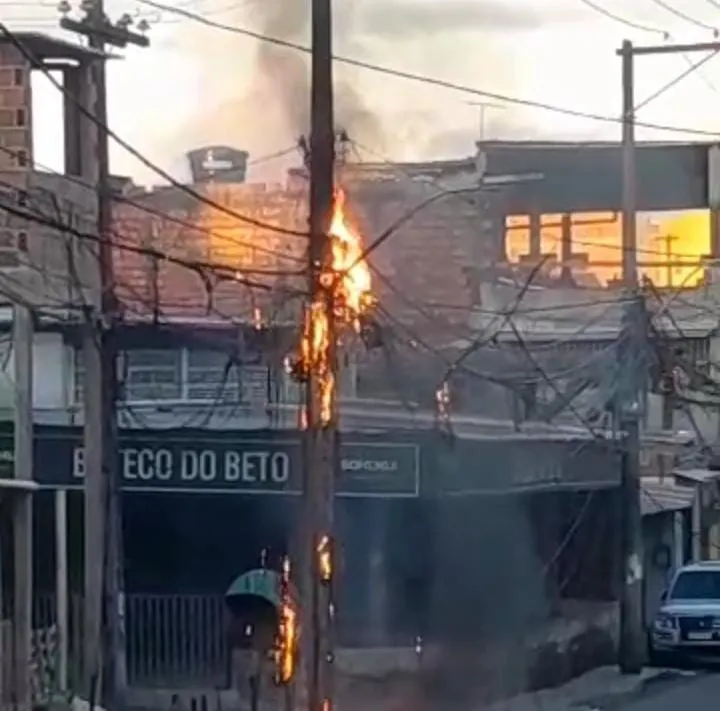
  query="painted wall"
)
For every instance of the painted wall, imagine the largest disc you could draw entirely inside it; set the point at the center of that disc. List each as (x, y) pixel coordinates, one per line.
(51, 373)
(660, 531)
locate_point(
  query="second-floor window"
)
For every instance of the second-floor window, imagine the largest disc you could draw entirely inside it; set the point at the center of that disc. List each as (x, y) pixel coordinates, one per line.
(211, 376)
(153, 375)
(194, 375)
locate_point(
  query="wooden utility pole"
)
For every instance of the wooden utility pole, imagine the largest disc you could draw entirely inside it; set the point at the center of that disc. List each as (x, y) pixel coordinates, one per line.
(631, 399)
(321, 416)
(104, 628)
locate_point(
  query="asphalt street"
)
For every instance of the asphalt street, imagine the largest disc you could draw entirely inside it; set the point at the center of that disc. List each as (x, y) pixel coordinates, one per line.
(697, 694)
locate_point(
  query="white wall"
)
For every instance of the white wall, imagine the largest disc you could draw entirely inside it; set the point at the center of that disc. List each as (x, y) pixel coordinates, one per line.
(51, 371)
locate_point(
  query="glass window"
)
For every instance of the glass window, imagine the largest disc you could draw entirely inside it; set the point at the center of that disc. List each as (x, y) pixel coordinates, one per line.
(194, 375)
(697, 585)
(153, 375)
(78, 377)
(254, 384)
(211, 376)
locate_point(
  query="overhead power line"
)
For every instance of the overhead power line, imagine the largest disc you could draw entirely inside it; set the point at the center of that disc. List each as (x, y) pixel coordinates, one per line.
(28, 55)
(467, 197)
(684, 16)
(424, 79)
(174, 219)
(623, 20)
(226, 272)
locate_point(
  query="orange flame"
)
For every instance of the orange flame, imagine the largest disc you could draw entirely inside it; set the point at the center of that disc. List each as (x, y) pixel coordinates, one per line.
(287, 632)
(315, 355)
(346, 276)
(324, 559)
(353, 291)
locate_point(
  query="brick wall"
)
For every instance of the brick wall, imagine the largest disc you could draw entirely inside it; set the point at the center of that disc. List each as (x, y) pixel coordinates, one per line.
(195, 234)
(15, 151)
(425, 261)
(15, 110)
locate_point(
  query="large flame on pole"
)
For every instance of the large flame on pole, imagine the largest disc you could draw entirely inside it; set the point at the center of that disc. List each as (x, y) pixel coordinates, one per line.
(349, 268)
(341, 293)
(345, 295)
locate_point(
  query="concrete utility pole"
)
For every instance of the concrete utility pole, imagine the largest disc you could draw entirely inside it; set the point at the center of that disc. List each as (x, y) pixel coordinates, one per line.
(632, 647)
(631, 399)
(633, 369)
(321, 426)
(104, 601)
(629, 183)
(22, 505)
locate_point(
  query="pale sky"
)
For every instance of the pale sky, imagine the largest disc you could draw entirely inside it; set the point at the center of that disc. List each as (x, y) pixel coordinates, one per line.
(197, 85)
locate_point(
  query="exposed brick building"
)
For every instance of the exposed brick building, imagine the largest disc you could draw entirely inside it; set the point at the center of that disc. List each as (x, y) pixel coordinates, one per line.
(175, 224)
(422, 272)
(35, 259)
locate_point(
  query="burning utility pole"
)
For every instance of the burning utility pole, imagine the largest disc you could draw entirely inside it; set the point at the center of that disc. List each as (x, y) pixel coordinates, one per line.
(319, 358)
(339, 291)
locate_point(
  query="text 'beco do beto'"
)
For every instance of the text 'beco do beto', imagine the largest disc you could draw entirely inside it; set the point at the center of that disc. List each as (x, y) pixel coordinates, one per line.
(188, 465)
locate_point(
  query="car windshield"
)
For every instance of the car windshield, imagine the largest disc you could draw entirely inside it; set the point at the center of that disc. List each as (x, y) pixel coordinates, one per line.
(697, 585)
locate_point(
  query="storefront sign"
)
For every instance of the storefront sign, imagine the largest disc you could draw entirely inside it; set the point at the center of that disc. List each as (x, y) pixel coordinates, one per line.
(150, 461)
(7, 451)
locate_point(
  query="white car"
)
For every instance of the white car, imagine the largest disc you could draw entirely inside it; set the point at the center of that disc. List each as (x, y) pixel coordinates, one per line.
(688, 621)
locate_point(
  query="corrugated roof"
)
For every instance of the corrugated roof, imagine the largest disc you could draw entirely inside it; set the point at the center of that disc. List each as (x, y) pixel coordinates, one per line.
(697, 475)
(658, 496)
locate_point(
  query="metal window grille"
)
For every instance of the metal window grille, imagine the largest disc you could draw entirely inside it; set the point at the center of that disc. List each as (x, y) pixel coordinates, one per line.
(192, 375)
(153, 375)
(211, 376)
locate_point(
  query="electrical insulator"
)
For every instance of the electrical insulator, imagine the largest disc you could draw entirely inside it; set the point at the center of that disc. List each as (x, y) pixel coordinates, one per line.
(125, 22)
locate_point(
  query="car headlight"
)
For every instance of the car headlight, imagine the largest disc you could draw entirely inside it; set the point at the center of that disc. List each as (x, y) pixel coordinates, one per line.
(665, 622)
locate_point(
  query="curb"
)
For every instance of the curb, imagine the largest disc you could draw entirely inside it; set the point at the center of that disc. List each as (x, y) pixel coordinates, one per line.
(610, 702)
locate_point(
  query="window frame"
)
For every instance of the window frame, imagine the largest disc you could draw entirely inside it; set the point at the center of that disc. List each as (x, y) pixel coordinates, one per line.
(128, 367)
(15, 249)
(244, 381)
(223, 391)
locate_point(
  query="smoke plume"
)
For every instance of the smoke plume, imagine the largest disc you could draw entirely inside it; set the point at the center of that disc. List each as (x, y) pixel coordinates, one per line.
(255, 96)
(409, 17)
(287, 72)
